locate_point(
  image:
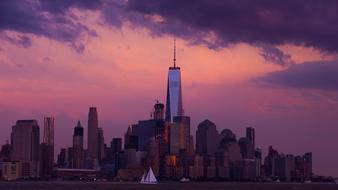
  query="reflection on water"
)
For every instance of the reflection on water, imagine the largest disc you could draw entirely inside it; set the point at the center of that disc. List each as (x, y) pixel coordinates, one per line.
(162, 186)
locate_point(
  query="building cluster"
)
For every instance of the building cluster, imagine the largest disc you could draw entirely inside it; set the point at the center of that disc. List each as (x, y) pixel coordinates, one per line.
(164, 142)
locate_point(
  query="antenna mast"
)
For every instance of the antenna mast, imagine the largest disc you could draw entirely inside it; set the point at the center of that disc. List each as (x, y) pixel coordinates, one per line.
(174, 53)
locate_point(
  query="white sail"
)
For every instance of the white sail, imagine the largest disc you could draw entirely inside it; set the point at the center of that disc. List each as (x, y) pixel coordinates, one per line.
(143, 177)
(149, 177)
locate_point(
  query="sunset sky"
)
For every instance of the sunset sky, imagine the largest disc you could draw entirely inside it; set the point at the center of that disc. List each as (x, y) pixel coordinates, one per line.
(267, 64)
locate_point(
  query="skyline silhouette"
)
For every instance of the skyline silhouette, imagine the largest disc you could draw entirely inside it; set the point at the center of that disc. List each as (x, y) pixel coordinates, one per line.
(59, 59)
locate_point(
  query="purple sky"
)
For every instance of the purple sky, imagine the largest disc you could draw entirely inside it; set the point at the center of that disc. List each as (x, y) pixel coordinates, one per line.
(266, 64)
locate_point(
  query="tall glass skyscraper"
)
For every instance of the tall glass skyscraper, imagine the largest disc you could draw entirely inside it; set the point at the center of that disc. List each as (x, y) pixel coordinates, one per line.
(174, 105)
(77, 149)
(47, 148)
(48, 131)
(92, 134)
(25, 141)
(78, 136)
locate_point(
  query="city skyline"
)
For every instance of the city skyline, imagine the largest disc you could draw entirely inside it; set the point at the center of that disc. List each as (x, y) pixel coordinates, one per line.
(171, 132)
(285, 86)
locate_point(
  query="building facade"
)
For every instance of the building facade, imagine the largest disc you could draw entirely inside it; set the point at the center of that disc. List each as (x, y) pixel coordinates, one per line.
(179, 135)
(174, 102)
(25, 142)
(207, 138)
(47, 148)
(92, 147)
(78, 151)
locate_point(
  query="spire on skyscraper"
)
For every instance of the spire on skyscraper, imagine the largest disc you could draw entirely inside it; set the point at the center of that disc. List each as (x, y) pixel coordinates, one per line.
(174, 106)
(78, 124)
(174, 53)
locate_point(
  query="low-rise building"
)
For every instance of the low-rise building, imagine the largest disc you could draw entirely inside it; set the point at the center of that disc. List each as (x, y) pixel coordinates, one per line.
(70, 173)
(11, 170)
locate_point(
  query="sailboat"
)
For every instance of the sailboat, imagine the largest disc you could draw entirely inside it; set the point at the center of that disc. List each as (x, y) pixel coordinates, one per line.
(148, 177)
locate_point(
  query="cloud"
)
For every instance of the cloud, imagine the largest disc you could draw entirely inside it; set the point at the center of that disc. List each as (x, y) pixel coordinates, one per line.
(45, 18)
(271, 54)
(216, 24)
(321, 75)
(18, 39)
(62, 6)
(305, 23)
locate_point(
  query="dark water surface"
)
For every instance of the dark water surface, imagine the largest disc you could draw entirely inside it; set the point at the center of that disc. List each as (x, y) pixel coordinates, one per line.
(161, 186)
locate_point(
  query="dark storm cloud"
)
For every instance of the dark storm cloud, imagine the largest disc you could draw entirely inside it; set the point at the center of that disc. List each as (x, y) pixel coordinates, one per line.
(322, 75)
(271, 54)
(217, 24)
(45, 18)
(61, 6)
(21, 40)
(302, 22)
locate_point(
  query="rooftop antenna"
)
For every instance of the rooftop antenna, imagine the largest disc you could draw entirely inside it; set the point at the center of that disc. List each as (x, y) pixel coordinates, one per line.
(174, 53)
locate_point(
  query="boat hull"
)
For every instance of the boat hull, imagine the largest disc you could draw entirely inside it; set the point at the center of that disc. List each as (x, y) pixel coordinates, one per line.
(149, 183)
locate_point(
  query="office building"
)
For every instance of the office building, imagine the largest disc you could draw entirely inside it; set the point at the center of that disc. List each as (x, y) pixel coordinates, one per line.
(48, 131)
(174, 103)
(62, 158)
(146, 130)
(250, 135)
(244, 144)
(5, 152)
(226, 136)
(207, 138)
(11, 170)
(78, 151)
(307, 166)
(46, 160)
(158, 111)
(130, 141)
(100, 143)
(47, 148)
(92, 147)
(269, 162)
(179, 135)
(25, 142)
(116, 145)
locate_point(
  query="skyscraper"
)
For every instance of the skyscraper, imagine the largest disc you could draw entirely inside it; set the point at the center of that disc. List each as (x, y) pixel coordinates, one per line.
(245, 145)
(78, 152)
(48, 130)
(179, 133)
(62, 158)
(158, 111)
(47, 148)
(92, 134)
(116, 145)
(307, 166)
(250, 134)
(207, 138)
(5, 152)
(100, 143)
(46, 160)
(130, 140)
(25, 141)
(116, 148)
(174, 104)
(78, 136)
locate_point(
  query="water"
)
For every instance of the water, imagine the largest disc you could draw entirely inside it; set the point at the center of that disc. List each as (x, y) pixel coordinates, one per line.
(66, 185)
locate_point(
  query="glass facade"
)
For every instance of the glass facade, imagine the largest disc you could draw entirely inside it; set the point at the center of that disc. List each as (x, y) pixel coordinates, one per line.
(174, 105)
